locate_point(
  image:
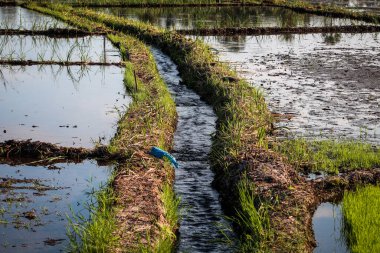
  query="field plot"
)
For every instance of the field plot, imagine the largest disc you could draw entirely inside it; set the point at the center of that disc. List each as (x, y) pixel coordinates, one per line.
(192, 18)
(327, 85)
(63, 90)
(289, 139)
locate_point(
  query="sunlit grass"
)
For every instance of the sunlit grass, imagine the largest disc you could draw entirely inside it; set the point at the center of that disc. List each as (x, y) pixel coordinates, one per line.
(330, 156)
(361, 219)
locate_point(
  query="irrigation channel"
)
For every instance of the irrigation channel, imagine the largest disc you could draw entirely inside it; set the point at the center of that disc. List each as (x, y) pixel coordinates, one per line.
(202, 219)
(71, 106)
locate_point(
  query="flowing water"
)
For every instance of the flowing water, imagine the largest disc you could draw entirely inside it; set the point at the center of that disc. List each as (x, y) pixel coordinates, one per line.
(203, 217)
(327, 226)
(34, 202)
(175, 18)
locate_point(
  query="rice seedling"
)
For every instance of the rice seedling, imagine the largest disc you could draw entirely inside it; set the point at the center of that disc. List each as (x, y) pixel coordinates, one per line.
(330, 156)
(361, 223)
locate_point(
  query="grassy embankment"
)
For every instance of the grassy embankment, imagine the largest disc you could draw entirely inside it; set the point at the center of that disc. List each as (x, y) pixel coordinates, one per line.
(240, 153)
(139, 204)
(361, 222)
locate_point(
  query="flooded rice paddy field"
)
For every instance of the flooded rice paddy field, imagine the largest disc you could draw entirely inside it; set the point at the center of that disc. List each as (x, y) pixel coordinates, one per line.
(187, 18)
(41, 48)
(14, 17)
(36, 200)
(355, 5)
(202, 219)
(69, 106)
(325, 84)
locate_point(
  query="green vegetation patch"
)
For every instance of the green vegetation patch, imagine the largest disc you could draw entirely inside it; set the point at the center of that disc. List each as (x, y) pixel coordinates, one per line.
(329, 156)
(361, 219)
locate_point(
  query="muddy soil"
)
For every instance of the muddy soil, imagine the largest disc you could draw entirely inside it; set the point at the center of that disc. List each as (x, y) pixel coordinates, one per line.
(324, 84)
(34, 202)
(72, 107)
(185, 18)
(202, 217)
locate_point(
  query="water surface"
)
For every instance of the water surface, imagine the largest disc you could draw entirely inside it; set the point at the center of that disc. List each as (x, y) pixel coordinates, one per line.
(41, 48)
(15, 17)
(33, 214)
(75, 106)
(203, 217)
(327, 226)
(175, 18)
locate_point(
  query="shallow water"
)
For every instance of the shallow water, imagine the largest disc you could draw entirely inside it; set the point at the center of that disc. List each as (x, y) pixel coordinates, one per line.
(355, 5)
(73, 106)
(327, 84)
(68, 186)
(327, 225)
(175, 18)
(38, 48)
(201, 221)
(15, 17)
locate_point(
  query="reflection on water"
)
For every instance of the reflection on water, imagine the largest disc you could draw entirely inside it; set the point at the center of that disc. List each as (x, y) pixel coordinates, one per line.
(33, 210)
(210, 17)
(15, 17)
(328, 84)
(327, 226)
(357, 5)
(203, 218)
(41, 48)
(72, 106)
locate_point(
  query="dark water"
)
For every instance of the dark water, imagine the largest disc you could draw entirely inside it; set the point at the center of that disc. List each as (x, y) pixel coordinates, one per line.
(328, 84)
(327, 225)
(39, 48)
(49, 197)
(219, 17)
(72, 106)
(14, 17)
(202, 219)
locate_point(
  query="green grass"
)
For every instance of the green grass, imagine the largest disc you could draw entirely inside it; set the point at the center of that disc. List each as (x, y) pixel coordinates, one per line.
(329, 156)
(94, 234)
(253, 220)
(361, 219)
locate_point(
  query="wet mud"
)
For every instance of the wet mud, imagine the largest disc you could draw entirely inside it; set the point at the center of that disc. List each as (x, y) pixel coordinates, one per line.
(34, 202)
(202, 219)
(320, 85)
(190, 18)
(279, 30)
